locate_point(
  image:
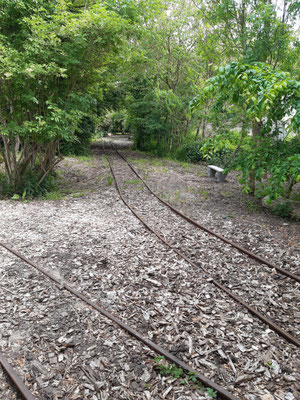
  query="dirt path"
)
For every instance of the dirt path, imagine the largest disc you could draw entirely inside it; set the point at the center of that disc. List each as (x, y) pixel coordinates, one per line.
(93, 241)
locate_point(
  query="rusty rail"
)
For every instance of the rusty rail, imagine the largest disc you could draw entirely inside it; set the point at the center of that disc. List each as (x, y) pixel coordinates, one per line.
(223, 393)
(191, 221)
(252, 310)
(15, 379)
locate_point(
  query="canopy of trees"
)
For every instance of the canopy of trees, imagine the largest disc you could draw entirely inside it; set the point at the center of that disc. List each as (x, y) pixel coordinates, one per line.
(196, 79)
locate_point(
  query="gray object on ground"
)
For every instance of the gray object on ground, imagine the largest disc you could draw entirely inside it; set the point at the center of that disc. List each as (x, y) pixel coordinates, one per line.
(216, 172)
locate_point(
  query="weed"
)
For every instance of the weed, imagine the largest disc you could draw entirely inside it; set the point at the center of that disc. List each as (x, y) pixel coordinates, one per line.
(176, 372)
(162, 169)
(199, 173)
(177, 196)
(147, 386)
(110, 180)
(136, 182)
(203, 193)
(211, 393)
(132, 182)
(105, 161)
(269, 364)
(77, 195)
(84, 158)
(156, 163)
(184, 164)
(252, 206)
(54, 195)
(226, 193)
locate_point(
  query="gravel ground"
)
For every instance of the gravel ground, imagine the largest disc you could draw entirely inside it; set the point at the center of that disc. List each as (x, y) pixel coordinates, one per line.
(63, 349)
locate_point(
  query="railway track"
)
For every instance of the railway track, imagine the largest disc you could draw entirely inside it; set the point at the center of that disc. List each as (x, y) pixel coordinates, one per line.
(62, 286)
(207, 274)
(249, 253)
(15, 378)
(222, 393)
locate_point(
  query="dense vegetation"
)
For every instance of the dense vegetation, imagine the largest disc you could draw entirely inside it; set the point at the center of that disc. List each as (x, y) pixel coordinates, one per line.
(197, 80)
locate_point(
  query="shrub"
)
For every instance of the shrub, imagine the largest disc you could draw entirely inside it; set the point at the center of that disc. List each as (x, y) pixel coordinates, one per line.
(283, 210)
(82, 139)
(29, 186)
(190, 152)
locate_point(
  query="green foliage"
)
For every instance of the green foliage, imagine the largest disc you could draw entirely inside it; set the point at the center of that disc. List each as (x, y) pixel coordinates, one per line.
(110, 180)
(265, 96)
(258, 90)
(53, 195)
(114, 122)
(81, 140)
(29, 187)
(283, 210)
(251, 31)
(172, 370)
(53, 64)
(154, 117)
(190, 152)
(275, 165)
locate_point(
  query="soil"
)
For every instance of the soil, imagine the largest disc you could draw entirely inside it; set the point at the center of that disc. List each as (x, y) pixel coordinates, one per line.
(64, 350)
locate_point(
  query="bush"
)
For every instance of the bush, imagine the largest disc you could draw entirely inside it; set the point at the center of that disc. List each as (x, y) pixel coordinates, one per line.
(221, 157)
(190, 152)
(118, 119)
(29, 186)
(82, 138)
(283, 210)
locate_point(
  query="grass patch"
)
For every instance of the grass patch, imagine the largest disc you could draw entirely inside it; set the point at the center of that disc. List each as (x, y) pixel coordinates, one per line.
(226, 193)
(157, 163)
(142, 161)
(105, 161)
(88, 158)
(55, 195)
(162, 169)
(135, 182)
(176, 196)
(204, 193)
(78, 195)
(184, 164)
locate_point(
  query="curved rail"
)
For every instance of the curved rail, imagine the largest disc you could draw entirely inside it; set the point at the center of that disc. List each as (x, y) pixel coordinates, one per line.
(191, 221)
(15, 378)
(253, 311)
(223, 393)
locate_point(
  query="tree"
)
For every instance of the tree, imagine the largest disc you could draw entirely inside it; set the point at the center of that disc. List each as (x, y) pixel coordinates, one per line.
(160, 76)
(265, 97)
(54, 63)
(254, 30)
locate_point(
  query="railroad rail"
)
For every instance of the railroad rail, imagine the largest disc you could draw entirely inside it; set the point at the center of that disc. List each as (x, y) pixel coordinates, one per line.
(276, 328)
(62, 284)
(211, 232)
(13, 375)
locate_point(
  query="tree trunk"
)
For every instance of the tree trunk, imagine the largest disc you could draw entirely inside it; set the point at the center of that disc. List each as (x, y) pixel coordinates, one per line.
(198, 129)
(204, 129)
(186, 127)
(255, 133)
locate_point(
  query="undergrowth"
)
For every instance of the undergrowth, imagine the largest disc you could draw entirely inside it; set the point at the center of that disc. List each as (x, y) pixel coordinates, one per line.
(171, 370)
